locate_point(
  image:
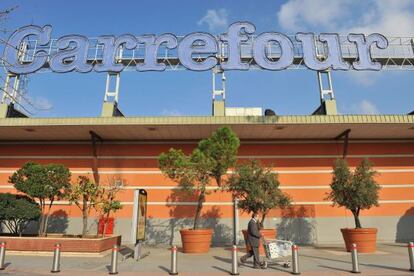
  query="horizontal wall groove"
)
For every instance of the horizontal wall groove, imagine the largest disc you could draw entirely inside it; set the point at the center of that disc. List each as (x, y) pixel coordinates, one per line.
(283, 187)
(228, 172)
(240, 156)
(229, 203)
(174, 142)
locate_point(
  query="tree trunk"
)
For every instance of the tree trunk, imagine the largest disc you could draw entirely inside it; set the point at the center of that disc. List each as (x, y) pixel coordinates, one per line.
(84, 218)
(106, 220)
(42, 218)
(218, 181)
(262, 220)
(356, 218)
(201, 199)
(46, 220)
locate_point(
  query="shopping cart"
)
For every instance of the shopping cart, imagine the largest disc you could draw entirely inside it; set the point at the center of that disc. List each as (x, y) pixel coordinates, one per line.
(277, 252)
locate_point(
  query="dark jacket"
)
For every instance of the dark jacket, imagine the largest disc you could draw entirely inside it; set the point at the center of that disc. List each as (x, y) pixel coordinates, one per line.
(253, 234)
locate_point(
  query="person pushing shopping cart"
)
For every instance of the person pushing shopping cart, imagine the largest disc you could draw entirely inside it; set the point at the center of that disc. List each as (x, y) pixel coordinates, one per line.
(253, 240)
(277, 251)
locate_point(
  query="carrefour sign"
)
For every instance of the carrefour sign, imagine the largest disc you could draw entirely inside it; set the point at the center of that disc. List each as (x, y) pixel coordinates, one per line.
(237, 49)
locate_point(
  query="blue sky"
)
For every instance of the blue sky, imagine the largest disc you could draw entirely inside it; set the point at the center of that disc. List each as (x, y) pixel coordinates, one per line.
(189, 93)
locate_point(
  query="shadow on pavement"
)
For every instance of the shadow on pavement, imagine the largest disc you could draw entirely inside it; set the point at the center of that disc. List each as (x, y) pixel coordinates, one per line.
(221, 269)
(225, 260)
(360, 263)
(164, 268)
(334, 268)
(277, 267)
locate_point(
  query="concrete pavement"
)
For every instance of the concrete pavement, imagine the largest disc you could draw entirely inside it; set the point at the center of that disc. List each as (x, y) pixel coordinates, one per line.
(391, 259)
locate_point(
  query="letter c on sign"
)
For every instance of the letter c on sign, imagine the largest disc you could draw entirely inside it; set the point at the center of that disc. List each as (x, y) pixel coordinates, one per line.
(260, 56)
(11, 53)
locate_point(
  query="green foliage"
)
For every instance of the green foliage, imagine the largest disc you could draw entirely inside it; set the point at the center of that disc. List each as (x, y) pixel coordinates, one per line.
(110, 206)
(84, 194)
(257, 189)
(42, 182)
(83, 190)
(107, 203)
(355, 191)
(211, 159)
(16, 211)
(222, 148)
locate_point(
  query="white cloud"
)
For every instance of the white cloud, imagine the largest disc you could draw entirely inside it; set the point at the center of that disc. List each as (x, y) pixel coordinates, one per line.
(296, 15)
(388, 17)
(364, 78)
(37, 103)
(171, 112)
(42, 103)
(215, 19)
(367, 107)
(362, 107)
(393, 18)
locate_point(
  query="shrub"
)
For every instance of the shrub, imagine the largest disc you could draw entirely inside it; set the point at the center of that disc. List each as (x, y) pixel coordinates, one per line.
(107, 203)
(16, 211)
(42, 182)
(84, 194)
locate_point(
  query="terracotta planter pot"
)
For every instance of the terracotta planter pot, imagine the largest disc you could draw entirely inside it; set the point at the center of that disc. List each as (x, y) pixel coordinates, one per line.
(267, 233)
(364, 238)
(109, 228)
(196, 241)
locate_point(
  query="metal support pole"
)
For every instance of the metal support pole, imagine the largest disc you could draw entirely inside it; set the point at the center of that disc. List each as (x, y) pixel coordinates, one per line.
(2, 255)
(114, 260)
(173, 270)
(295, 260)
(354, 255)
(411, 255)
(234, 261)
(138, 250)
(56, 259)
(235, 221)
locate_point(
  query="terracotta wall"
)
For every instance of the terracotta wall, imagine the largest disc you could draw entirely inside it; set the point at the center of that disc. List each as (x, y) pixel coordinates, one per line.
(304, 171)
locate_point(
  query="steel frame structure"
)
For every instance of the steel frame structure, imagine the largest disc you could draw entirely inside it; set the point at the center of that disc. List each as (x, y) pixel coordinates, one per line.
(399, 55)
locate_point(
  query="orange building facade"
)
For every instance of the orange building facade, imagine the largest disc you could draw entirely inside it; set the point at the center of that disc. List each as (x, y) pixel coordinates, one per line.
(301, 149)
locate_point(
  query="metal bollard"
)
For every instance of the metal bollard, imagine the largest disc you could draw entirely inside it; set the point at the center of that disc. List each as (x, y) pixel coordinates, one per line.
(114, 260)
(354, 255)
(56, 259)
(234, 261)
(295, 260)
(411, 255)
(2, 254)
(173, 270)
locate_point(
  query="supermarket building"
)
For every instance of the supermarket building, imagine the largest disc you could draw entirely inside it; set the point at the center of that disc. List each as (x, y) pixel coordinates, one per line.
(301, 149)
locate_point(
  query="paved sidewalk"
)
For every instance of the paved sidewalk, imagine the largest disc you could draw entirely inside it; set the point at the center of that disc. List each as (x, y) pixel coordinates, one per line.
(391, 259)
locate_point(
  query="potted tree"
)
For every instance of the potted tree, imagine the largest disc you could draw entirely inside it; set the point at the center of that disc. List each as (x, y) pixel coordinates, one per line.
(257, 189)
(107, 203)
(84, 194)
(210, 160)
(355, 191)
(43, 184)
